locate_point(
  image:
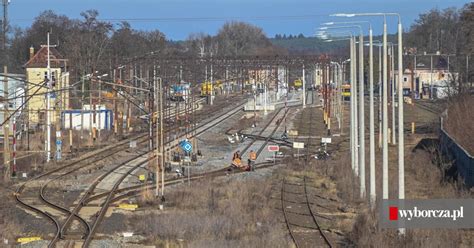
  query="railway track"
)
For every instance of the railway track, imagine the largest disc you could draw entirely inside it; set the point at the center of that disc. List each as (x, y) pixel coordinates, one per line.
(139, 161)
(311, 128)
(74, 166)
(84, 165)
(269, 137)
(261, 145)
(257, 145)
(137, 189)
(106, 204)
(301, 221)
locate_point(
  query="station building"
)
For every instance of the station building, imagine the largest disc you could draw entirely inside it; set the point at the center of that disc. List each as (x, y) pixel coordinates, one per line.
(36, 75)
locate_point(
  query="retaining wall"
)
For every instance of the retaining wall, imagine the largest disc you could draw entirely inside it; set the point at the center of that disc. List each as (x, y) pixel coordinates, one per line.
(462, 159)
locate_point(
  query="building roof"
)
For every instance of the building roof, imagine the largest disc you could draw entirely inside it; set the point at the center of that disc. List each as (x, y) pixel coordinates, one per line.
(40, 59)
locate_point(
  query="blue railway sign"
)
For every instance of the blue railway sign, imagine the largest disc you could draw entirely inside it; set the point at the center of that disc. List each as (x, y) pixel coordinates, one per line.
(186, 146)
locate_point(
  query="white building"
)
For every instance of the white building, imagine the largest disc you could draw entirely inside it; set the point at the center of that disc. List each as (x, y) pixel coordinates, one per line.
(100, 118)
(426, 83)
(16, 96)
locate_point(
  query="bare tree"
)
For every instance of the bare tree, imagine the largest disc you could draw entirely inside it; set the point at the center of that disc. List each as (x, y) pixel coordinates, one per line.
(239, 38)
(87, 42)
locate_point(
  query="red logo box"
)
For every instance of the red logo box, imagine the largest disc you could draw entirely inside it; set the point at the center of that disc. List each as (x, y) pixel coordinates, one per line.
(393, 213)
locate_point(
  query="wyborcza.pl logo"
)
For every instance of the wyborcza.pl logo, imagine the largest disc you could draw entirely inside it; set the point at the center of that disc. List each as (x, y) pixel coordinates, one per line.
(441, 213)
(409, 214)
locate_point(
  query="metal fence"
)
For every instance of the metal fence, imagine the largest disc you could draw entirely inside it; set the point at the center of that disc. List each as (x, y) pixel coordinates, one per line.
(461, 158)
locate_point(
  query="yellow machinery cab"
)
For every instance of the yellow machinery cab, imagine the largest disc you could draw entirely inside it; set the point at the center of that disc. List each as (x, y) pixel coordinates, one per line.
(298, 83)
(346, 91)
(206, 88)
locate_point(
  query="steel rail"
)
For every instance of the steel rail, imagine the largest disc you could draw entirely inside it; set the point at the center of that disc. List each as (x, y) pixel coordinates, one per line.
(47, 215)
(313, 215)
(287, 221)
(105, 206)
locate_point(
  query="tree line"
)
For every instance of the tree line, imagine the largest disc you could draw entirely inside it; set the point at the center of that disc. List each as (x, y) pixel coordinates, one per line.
(448, 31)
(92, 44)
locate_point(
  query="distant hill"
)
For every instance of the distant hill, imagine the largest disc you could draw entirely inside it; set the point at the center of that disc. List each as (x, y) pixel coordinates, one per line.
(311, 45)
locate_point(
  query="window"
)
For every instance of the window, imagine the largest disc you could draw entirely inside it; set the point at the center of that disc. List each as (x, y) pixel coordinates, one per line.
(405, 79)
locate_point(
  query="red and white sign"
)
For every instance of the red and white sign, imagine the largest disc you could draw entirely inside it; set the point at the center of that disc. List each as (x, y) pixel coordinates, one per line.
(273, 148)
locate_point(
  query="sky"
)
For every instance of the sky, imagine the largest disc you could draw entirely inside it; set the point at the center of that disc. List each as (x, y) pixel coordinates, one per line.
(179, 18)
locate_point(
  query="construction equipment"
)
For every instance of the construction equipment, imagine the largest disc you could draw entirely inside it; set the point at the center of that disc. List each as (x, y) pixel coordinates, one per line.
(180, 92)
(298, 83)
(346, 91)
(206, 89)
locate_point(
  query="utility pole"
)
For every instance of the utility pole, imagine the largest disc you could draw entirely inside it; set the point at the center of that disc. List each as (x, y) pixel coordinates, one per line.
(48, 106)
(431, 76)
(226, 91)
(352, 119)
(100, 110)
(120, 105)
(157, 134)
(5, 25)
(14, 148)
(57, 112)
(304, 91)
(324, 95)
(91, 116)
(371, 122)
(354, 108)
(152, 113)
(340, 111)
(162, 143)
(159, 137)
(212, 84)
(70, 132)
(82, 107)
(467, 71)
(328, 96)
(356, 117)
(401, 141)
(384, 117)
(254, 102)
(361, 117)
(413, 80)
(129, 106)
(6, 127)
(392, 67)
(265, 81)
(380, 96)
(114, 102)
